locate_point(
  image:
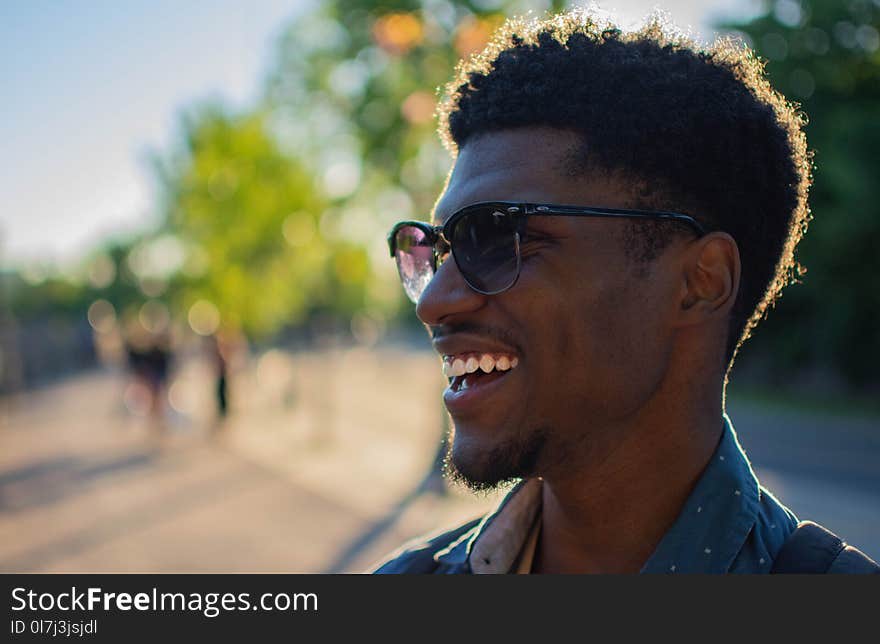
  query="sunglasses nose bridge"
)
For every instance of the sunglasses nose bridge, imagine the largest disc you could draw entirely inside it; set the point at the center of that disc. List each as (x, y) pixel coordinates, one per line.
(441, 244)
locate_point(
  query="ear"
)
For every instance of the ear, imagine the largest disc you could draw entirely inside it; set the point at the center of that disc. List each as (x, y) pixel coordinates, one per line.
(710, 278)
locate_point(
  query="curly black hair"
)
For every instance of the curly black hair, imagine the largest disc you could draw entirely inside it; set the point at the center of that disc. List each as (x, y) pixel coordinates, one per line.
(700, 129)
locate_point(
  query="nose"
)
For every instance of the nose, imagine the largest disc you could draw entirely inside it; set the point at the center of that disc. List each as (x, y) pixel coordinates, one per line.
(447, 294)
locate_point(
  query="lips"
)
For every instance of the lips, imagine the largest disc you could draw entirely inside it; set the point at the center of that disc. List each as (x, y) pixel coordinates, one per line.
(473, 394)
(475, 366)
(473, 379)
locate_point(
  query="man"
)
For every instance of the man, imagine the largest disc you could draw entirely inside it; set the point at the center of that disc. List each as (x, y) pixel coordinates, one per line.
(622, 210)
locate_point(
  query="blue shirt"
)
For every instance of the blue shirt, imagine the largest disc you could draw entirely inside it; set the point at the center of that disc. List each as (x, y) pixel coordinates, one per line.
(729, 524)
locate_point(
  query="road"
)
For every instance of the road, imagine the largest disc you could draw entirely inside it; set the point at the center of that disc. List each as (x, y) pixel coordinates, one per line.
(321, 468)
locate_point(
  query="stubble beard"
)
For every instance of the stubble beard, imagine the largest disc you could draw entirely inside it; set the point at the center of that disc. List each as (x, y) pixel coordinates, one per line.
(505, 463)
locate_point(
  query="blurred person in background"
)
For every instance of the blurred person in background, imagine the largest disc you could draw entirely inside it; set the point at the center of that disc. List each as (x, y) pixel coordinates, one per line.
(226, 349)
(622, 211)
(220, 363)
(149, 357)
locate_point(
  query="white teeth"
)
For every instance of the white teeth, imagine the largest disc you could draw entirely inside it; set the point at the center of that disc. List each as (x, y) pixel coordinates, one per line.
(454, 367)
(463, 385)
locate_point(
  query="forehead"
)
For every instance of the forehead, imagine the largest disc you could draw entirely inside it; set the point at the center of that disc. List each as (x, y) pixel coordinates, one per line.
(526, 164)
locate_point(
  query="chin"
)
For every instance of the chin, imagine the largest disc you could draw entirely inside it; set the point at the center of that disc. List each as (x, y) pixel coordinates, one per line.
(482, 465)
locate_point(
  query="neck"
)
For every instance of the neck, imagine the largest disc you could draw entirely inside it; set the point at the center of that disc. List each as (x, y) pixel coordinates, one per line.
(607, 514)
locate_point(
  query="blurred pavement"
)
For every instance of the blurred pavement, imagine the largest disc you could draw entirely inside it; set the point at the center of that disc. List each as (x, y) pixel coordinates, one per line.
(316, 473)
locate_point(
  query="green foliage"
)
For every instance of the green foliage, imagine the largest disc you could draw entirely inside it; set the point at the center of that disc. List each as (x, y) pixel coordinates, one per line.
(825, 54)
(277, 214)
(65, 296)
(248, 217)
(282, 212)
(54, 298)
(353, 96)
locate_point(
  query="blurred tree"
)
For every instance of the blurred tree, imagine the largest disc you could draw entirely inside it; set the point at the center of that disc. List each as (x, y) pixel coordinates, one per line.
(56, 313)
(246, 222)
(276, 214)
(353, 96)
(826, 55)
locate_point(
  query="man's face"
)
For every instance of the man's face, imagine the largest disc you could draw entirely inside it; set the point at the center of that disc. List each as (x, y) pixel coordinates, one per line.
(585, 327)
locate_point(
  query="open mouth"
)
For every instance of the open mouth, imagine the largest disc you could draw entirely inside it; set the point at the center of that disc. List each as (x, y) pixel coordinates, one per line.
(467, 371)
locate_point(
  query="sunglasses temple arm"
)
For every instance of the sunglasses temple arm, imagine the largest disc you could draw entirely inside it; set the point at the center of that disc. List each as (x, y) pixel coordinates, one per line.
(612, 213)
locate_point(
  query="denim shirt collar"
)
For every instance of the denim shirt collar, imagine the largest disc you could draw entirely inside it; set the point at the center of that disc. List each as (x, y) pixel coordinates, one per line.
(708, 534)
(457, 554)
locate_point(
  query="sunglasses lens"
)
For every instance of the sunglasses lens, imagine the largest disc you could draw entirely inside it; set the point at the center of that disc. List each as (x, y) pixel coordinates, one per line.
(485, 247)
(415, 260)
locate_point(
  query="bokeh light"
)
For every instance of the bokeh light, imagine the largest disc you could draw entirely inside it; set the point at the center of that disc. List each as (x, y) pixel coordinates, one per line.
(137, 399)
(342, 176)
(418, 108)
(398, 33)
(102, 316)
(299, 229)
(204, 318)
(473, 34)
(154, 316)
(101, 271)
(367, 328)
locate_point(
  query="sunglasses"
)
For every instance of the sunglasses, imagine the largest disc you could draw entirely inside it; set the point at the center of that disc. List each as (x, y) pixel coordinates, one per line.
(484, 239)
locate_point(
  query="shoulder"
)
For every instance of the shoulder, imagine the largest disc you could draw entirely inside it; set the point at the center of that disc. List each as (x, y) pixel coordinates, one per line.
(783, 544)
(814, 549)
(417, 556)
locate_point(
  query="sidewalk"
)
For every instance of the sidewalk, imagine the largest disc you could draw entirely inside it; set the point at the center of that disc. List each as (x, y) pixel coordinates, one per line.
(316, 472)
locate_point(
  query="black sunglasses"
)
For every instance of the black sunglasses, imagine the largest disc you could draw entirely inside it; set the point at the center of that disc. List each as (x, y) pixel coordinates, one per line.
(484, 239)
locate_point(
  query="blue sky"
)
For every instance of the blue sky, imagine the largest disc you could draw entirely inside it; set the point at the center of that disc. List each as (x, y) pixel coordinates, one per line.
(90, 87)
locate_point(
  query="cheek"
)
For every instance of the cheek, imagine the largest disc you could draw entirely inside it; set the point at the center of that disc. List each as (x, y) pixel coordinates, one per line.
(592, 336)
(628, 344)
(606, 336)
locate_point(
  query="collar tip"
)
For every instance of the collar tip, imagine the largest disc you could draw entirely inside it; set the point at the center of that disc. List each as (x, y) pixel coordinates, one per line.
(449, 558)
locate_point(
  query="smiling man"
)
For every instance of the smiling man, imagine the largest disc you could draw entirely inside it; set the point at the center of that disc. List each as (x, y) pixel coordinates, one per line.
(622, 210)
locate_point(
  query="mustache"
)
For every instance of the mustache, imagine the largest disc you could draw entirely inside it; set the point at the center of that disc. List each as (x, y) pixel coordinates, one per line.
(499, 334)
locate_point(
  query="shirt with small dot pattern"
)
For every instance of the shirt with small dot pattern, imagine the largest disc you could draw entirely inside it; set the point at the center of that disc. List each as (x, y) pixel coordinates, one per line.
(729, 524)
